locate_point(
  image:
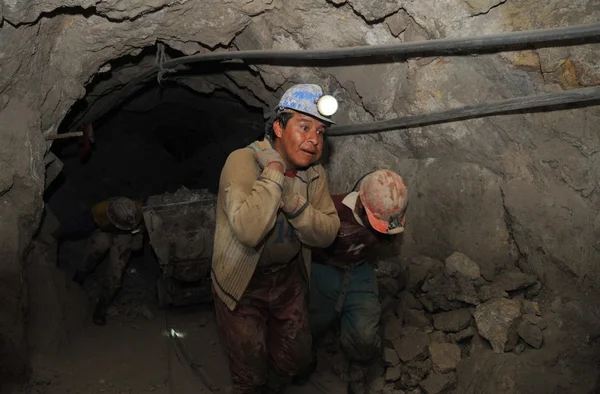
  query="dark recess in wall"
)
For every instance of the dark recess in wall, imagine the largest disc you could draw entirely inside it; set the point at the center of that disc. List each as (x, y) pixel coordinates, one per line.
(168, 137)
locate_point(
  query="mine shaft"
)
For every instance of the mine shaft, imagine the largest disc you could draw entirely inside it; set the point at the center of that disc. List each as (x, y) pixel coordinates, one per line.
(337, 196)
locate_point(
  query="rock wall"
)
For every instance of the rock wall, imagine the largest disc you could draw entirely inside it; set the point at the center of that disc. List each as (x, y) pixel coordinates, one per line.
(497, 188)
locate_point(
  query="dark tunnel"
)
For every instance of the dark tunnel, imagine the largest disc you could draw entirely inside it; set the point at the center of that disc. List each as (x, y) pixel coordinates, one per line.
(165, 138)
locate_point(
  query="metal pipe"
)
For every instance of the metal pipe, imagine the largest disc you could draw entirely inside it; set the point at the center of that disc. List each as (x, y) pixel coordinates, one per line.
(453, 46)
(589, 96)
(408, 49)
(60, 136)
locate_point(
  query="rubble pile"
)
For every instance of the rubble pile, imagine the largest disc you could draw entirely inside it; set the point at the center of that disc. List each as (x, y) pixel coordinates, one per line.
(437, 313)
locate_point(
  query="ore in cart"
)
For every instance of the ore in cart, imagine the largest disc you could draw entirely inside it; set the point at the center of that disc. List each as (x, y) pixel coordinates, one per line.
(181, 228)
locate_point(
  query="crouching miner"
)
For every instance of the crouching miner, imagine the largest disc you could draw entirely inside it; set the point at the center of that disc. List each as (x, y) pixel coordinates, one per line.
(114, 227)
(343, 284)
(273, 206)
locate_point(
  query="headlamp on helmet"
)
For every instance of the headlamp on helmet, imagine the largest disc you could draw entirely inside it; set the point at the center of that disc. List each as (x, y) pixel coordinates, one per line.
(309, 99)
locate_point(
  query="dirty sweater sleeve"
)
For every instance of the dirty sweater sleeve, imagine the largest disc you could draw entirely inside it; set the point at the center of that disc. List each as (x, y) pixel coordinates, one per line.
(317, 222)
(250, 201)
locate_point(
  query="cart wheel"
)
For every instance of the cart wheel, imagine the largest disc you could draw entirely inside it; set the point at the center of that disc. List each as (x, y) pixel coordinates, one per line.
(161, 290)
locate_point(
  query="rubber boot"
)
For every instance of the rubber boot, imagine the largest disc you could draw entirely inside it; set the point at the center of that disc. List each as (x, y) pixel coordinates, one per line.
(276, 383)
(302, 378)
(100, 312)
(357, 378)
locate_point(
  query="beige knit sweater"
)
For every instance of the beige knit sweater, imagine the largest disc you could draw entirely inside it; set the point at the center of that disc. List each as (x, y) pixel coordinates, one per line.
(247, 208)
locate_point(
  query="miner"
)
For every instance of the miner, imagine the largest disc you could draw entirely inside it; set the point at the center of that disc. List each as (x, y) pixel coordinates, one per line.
(113, 226)
(273, 207)
(344, 288)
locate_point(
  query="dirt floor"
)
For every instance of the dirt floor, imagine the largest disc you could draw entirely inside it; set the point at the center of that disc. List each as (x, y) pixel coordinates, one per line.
(133, 352)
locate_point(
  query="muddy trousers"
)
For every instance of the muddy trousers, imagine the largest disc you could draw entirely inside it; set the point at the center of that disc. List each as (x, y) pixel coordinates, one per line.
(358, 317)
(267, 337)
(119, 247)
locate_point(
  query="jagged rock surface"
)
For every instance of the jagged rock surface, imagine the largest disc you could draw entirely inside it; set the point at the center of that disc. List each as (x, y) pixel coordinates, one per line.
(494, 188)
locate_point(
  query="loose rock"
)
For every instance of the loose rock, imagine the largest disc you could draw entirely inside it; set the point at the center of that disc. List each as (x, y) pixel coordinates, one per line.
(461, 264)
(438, 337)
(494, 320)
(390, 357)
(512, 338)
(442, 291)
(478, 345)
(387, 286)
(416, 318)
(531, 334)
(530, 307)
(378, 384)
(535, 320)
(489, 292)
(392, 329)
(465, 334)
(453, 321)
(436, 383)
(390, 388)
(520, 348)
(393, 373)
(408, 301)
(419, 268)
(413, 372)
(467, 291)
(444, 356)
(388, 267)
(427, 304)
(376, 371)
(512, 281)
(412, 346)
(533, 290)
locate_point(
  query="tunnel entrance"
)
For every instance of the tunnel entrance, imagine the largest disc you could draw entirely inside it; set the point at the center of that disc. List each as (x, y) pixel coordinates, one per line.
(164, 139)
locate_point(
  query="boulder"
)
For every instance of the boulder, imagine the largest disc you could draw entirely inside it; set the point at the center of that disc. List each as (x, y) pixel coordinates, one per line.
(444, 356)
(412, 345)
(531, 334)
(453, 321)
(458, 263)
(494, 320)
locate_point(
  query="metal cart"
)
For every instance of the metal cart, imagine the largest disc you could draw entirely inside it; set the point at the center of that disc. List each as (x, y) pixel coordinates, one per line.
(181, 228)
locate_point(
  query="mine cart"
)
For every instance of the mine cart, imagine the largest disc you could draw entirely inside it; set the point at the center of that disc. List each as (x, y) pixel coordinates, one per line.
(181, 228)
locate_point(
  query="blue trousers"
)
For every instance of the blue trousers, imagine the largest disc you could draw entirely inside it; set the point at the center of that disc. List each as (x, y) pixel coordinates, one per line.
(359, 318)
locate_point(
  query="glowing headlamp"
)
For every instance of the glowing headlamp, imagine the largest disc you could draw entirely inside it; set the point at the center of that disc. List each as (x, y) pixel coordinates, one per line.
(327, 105)
(172, 333)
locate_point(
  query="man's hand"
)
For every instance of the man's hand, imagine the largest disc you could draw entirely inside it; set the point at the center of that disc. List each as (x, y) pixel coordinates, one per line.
(270, 158)
(291, 202)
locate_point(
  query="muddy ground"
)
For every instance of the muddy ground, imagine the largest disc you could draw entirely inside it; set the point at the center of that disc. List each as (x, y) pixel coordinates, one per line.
(132, 353)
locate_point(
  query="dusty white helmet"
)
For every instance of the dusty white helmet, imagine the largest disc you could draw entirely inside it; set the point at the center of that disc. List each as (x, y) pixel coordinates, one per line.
(123, 213)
